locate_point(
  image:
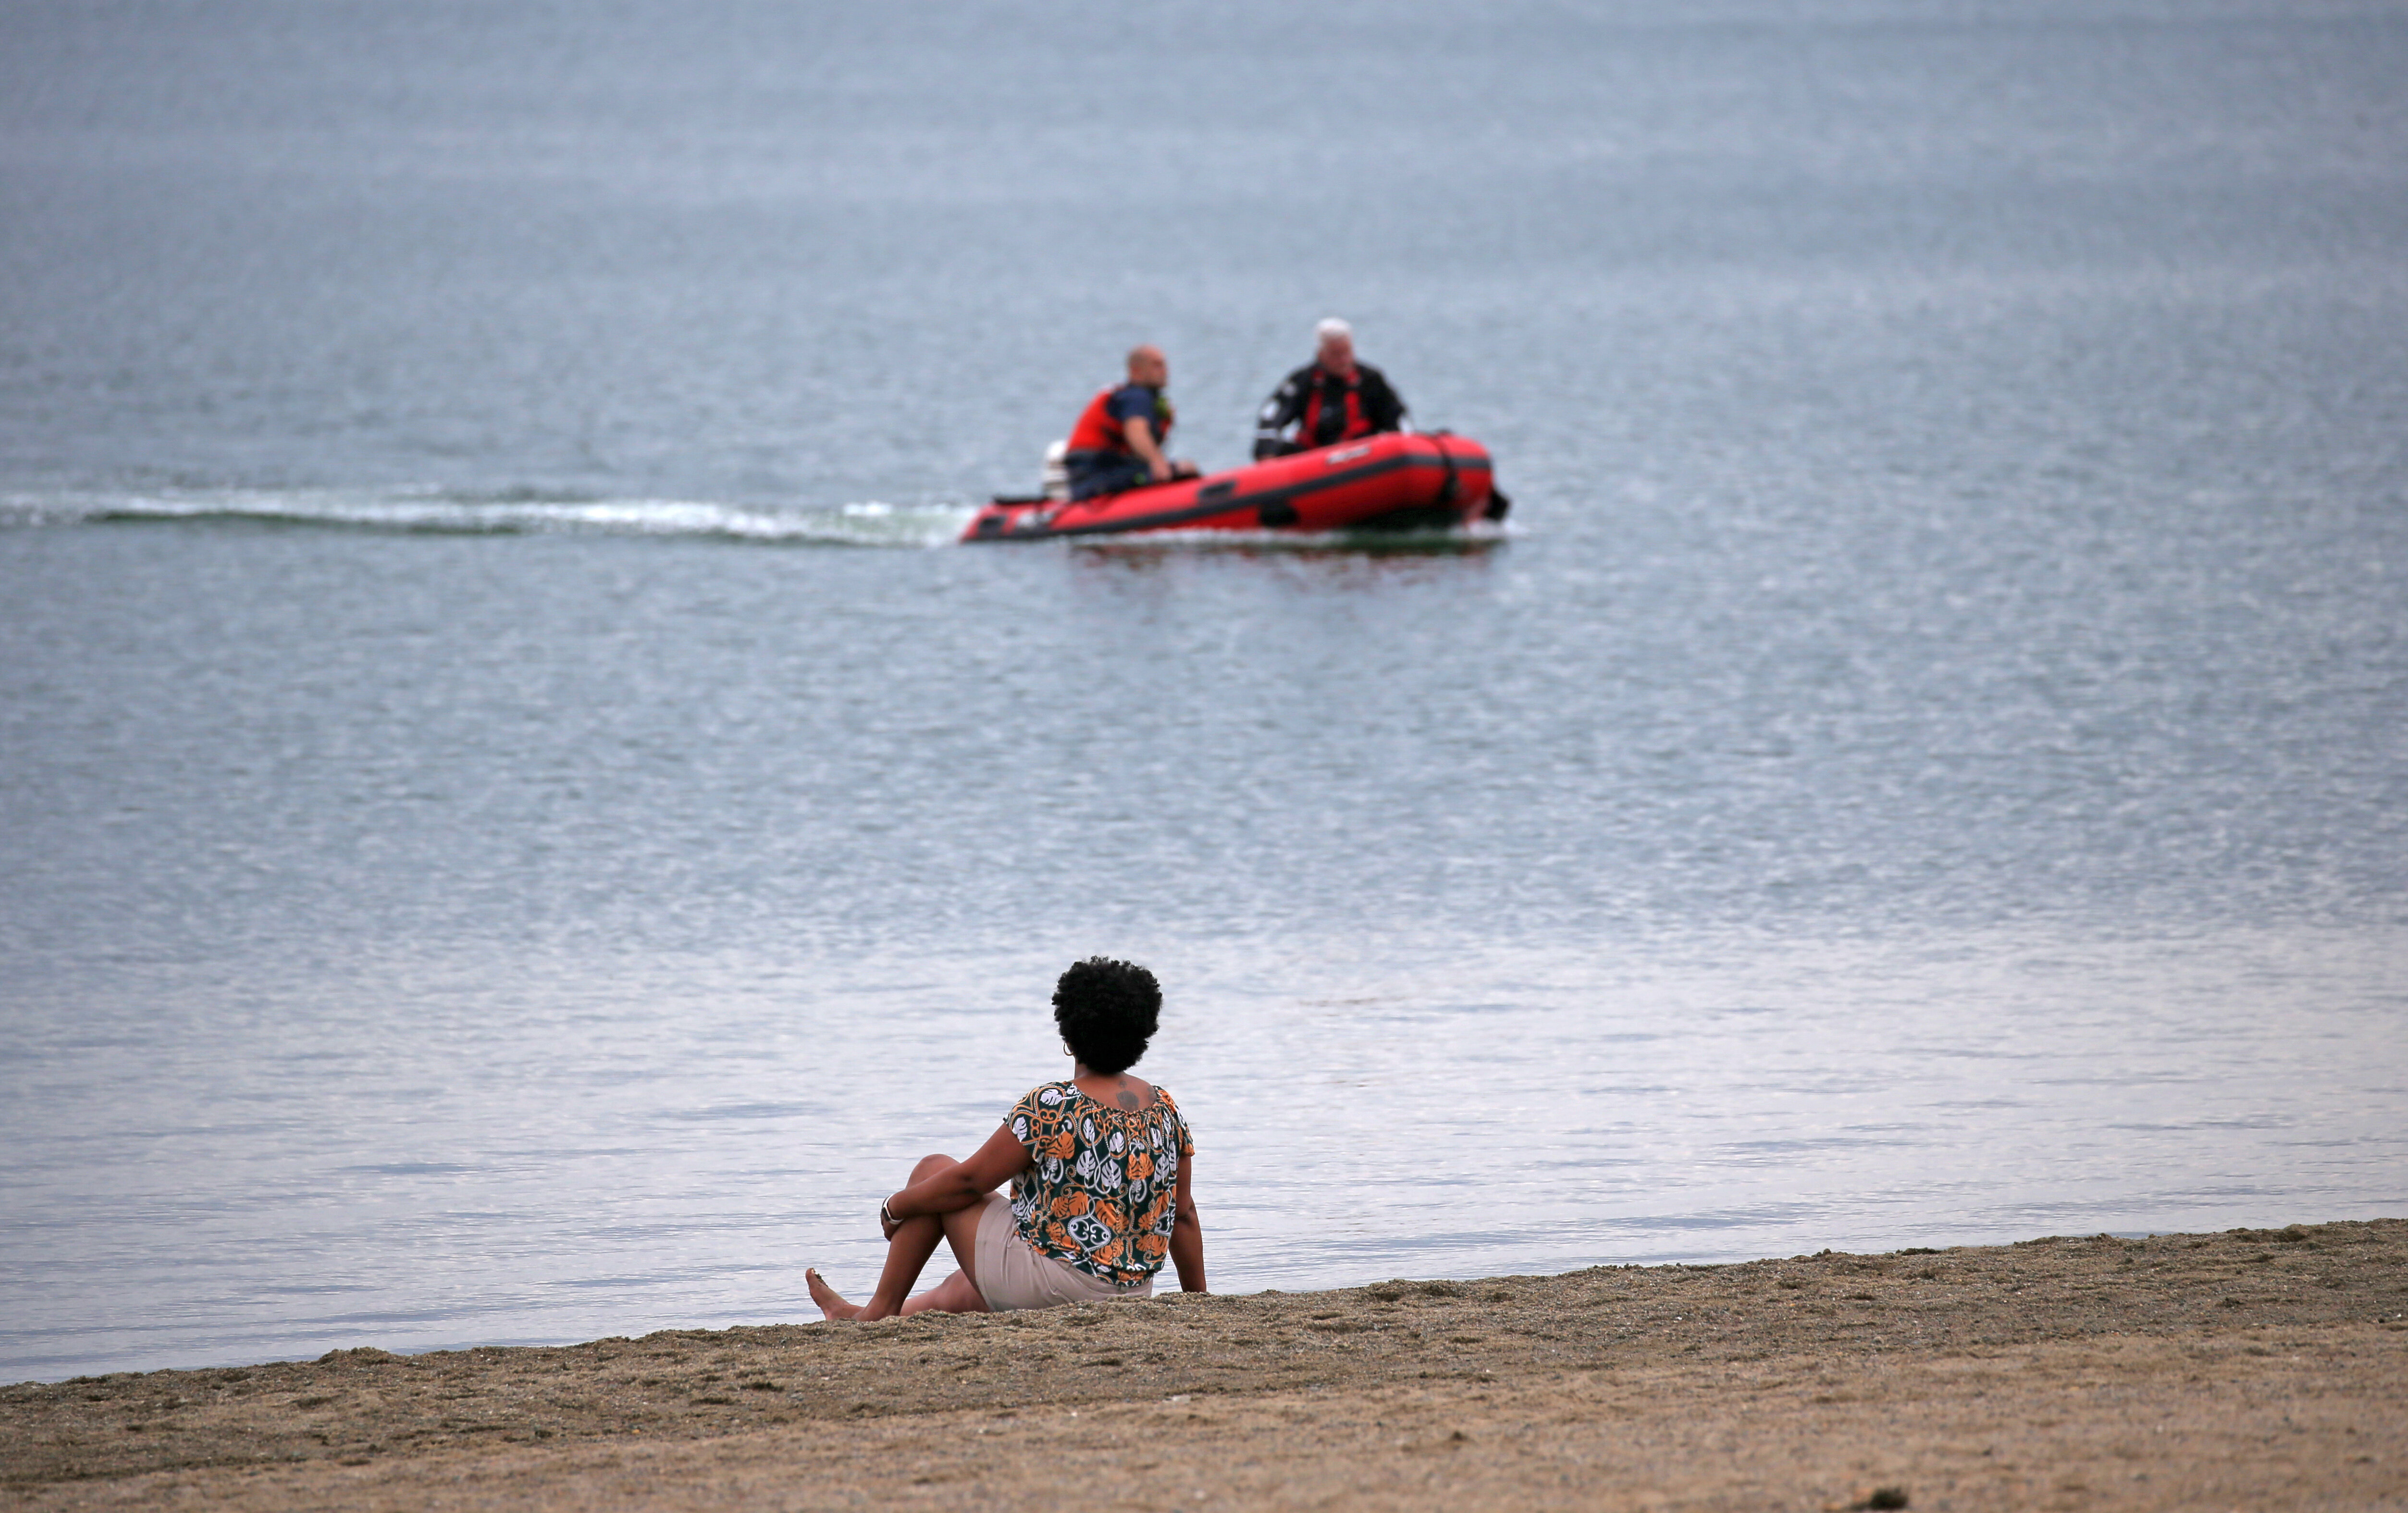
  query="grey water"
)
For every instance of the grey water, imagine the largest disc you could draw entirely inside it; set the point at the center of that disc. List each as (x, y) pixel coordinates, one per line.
(517, 824)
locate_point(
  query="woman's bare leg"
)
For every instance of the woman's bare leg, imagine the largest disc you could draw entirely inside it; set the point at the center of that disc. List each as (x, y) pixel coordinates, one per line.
(955, 1295)
(958, 1293)
(906, 1253)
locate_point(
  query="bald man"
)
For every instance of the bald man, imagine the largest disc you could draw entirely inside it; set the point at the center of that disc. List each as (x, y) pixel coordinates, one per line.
(1118, 442)
(1330, 399)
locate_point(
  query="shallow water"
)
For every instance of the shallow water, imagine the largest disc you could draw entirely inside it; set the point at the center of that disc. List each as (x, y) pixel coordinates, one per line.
(515, 828)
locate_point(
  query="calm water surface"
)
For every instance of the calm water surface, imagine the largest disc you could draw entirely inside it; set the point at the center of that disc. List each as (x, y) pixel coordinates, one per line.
(514, 827)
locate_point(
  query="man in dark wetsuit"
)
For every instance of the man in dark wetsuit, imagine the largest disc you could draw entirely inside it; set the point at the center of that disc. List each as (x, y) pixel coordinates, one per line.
(1330, 399)
(1118, 442)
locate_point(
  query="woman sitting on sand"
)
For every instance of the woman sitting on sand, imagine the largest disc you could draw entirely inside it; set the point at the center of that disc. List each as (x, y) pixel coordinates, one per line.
(1098, 1166)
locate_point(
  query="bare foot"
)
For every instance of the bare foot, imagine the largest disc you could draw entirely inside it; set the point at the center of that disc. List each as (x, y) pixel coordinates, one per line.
(831, 1301)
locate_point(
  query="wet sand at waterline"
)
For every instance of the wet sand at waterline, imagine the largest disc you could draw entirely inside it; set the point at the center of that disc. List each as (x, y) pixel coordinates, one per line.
(2249, 1369)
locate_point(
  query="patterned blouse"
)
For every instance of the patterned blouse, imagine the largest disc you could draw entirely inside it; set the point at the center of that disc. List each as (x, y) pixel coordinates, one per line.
(1101, 1189)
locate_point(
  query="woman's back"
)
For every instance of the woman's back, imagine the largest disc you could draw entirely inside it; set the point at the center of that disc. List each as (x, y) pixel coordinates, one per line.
(1101, 1190)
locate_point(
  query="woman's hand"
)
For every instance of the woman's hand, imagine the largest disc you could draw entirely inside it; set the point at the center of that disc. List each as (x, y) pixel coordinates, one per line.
(887, 1222)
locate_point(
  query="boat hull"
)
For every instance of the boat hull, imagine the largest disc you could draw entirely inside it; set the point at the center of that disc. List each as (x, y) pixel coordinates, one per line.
(1393, 481)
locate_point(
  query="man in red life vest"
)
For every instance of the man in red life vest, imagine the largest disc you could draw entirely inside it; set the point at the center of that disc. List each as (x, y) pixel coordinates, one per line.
(1330, 399)
(1118, 442)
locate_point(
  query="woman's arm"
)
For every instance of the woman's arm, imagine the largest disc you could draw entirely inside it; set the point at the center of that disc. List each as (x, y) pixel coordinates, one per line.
(962, 1183)
(1187, 1235)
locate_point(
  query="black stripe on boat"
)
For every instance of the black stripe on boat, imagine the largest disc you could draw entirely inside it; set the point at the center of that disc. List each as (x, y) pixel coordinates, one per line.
(1221, 497)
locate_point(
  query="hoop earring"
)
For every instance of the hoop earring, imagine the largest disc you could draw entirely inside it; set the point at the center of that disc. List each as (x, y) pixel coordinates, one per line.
(1068, 1052)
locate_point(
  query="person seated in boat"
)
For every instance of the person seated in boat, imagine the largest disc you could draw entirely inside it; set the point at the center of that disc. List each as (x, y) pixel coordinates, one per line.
(1119, 441)
(1102, 1168)
(1330, 399)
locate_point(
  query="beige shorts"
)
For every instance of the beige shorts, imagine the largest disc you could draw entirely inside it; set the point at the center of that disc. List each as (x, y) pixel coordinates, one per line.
(1011, 1276)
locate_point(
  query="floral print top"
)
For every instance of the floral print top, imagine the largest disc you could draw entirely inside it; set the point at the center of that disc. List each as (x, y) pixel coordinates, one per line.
(1101, 1188)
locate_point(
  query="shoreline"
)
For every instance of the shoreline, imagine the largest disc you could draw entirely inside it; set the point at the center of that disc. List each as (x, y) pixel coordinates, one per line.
(2258, 1367)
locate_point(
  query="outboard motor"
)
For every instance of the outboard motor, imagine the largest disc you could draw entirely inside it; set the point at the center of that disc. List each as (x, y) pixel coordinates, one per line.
(1056, 472)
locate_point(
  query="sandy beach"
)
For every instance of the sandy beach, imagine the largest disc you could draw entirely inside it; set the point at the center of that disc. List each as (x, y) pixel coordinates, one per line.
(2251, 1369)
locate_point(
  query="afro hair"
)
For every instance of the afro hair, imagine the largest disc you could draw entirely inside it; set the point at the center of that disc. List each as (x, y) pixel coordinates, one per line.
(1107, 1011)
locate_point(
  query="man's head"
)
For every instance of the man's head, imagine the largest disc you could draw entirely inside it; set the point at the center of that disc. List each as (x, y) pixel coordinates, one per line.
(1148, 366)
(1337, 354)
(1107, 1011)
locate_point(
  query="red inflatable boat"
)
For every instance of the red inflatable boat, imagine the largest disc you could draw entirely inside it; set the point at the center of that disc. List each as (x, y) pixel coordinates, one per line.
(1395, 482)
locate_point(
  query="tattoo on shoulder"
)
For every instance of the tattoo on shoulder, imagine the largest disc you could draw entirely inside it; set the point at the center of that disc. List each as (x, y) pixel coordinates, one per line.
(1125, 1098)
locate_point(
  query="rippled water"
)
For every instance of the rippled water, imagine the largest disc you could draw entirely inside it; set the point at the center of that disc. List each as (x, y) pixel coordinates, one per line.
(515, 826)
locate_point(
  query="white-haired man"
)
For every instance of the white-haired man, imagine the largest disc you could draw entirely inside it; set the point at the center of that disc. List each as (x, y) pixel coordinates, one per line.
(1330, 399)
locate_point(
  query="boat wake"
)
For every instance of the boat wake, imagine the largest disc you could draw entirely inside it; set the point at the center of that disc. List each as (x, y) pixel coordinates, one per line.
(433, 512)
